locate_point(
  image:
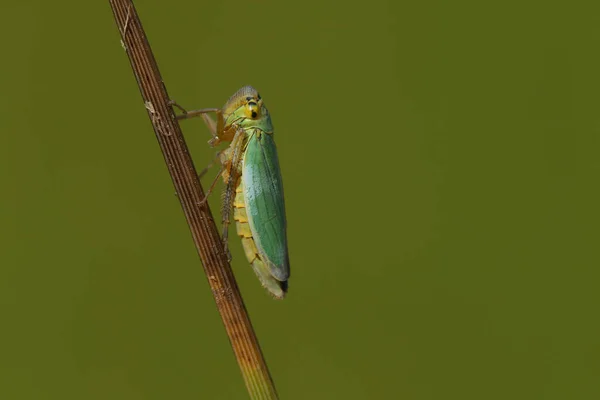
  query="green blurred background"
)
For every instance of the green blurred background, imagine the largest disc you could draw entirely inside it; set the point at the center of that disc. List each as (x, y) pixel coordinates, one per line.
(441, 169)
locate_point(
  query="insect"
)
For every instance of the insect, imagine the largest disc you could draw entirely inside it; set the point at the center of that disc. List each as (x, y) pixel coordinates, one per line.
(253, 185)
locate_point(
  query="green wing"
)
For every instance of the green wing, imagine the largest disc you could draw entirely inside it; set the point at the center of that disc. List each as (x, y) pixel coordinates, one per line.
(263, 193)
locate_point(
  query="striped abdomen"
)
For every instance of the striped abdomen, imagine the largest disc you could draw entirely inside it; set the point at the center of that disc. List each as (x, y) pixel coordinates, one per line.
(254, 258)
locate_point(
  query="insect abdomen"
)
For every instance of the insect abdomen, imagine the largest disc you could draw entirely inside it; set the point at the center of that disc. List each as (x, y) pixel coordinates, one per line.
(274, 286)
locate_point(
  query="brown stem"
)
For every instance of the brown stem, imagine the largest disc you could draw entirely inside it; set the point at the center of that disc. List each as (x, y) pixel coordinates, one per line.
(199, 218)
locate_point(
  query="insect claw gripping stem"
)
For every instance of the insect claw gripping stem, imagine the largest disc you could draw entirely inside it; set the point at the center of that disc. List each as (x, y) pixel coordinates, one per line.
(173, 103)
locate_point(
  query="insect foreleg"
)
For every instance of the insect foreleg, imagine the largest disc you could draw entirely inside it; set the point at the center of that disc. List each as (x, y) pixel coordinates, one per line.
(216, 131)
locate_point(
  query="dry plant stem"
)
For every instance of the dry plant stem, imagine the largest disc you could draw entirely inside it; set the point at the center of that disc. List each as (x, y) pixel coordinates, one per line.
(181, 168)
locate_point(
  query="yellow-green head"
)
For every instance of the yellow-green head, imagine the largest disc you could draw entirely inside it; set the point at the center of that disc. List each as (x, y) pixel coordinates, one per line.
(247, 110)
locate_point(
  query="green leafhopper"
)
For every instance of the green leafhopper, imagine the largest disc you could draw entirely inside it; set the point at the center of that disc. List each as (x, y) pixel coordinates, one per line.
(253, 184)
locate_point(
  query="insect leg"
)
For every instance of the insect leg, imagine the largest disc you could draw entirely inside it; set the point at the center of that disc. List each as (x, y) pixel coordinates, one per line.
(194, 113)
(212, 186)
(237, 144)
(216, 128)
(218, 157)
(215, 131)
(176, 105)
(212, 126)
